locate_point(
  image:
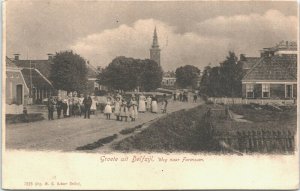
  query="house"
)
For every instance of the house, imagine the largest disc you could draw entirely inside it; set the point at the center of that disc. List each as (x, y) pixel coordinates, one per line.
(93, 85)
(41, 85)
(36, 75)
(274, 75)
(16, 89)
(169, 79)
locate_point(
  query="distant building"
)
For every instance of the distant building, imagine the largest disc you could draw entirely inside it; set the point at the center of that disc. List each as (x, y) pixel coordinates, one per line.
(155, 50)
(16, 89)
(93, 85)
(169, 79)
(274, 75)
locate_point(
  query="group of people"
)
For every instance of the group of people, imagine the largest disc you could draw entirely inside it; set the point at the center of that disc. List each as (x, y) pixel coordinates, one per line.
(74, 105)
(124, 110)
(183, 96)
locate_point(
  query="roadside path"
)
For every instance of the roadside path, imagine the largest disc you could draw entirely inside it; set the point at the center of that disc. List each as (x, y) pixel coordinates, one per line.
(69, 133)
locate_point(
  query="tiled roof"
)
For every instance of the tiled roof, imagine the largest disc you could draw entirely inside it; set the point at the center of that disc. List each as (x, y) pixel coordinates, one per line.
(276, 68)
(37, 79)
(44, 66)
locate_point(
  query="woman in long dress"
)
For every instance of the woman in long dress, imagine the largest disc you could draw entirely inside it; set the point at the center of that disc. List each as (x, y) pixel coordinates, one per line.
(148, 101)
(108, 109)
(117, 108)
(154, 104)
(124, 111)
(133, 109)
(142, 103)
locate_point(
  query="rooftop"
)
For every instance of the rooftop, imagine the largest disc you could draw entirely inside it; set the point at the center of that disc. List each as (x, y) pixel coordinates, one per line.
(276, 68)
(37, 79)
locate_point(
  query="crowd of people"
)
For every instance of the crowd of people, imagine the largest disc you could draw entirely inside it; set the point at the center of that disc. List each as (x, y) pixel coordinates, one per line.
(85, 105)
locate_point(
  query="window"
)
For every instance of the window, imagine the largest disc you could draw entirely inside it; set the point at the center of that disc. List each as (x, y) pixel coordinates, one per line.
(289, 91)
(265, 90)
(249, 91)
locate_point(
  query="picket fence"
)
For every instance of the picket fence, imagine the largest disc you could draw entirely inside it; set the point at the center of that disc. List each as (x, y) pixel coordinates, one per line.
(250, 101)
(251, 140)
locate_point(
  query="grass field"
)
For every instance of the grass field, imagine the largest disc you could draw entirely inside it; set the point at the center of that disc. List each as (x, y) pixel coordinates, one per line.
(179, 131)
(186, 131)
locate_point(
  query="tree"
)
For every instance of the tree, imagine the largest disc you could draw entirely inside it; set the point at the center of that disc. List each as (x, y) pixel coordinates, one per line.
(223, 80)
(186, 76)
(205, 81)
(129, 73)
(231, 76)
(151, 75)
(69, 72)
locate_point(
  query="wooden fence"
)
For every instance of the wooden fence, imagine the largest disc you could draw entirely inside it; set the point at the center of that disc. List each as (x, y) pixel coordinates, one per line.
(262, 141)
(249, 101)
(251, 140)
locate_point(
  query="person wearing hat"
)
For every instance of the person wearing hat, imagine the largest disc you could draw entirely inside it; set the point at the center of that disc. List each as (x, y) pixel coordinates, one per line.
(108, 109)
(87, 102)
(124, 111)
(117, 106)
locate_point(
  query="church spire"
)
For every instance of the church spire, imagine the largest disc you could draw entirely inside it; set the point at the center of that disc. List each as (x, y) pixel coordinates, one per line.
(154, 50)
(155, 39)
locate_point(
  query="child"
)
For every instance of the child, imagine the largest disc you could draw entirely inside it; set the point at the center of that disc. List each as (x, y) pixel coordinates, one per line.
(148, 101)
(133, 109)
(108, 109)
(117, 108)
(124, 111)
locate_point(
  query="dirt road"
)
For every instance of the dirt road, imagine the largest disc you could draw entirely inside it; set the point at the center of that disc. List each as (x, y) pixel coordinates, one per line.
(69, 133)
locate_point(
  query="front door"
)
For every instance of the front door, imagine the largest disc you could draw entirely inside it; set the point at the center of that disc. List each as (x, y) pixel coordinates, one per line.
(19, 94)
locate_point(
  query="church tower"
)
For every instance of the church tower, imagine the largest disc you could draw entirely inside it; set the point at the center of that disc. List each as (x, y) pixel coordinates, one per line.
(155, 50)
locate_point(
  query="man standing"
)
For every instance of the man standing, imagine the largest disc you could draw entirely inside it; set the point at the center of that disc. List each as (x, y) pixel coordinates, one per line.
(59, 107)
(195, 98)
(50, 108)
(87, 102)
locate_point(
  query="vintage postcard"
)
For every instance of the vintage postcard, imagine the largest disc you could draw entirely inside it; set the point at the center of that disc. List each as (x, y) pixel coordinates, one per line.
(141, 95)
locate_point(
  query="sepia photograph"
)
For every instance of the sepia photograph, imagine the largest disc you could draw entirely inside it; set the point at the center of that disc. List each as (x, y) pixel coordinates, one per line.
(149, 90)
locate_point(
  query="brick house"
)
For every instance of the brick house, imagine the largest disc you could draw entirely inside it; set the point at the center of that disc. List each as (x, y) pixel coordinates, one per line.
(274, 75)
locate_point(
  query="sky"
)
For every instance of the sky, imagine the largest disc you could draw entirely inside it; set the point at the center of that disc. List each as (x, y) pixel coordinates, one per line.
(195, 33)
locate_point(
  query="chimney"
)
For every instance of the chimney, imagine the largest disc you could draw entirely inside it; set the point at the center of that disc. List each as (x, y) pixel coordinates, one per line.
(17, 56)
(242, 57)
(50, 56)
